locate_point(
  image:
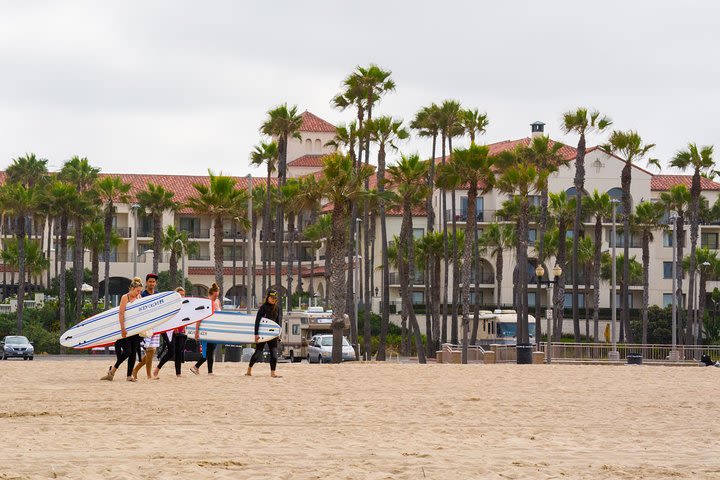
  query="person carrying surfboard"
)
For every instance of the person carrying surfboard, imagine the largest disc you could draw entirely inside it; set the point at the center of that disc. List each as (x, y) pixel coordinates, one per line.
(125, 347)
(151, 343)
(208, 349)
(271, 311)
(175, 347)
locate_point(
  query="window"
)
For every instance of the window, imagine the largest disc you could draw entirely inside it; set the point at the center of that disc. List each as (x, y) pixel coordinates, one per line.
(418, 233)
(308, 145)
(479, 206)
(617, 300)
(531, 299)
(667, 299)
(318, 145)
(709, 240)
(568, 300)
(296, 329)
(532, 236)
(535, 200)
(667, 269)
(189, 224)
(667, 239)
(418, 298)
(616, 194)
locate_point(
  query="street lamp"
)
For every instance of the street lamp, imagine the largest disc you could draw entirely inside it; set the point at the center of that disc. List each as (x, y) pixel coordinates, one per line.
(182, 257)
(134, 208)
(539, 273)
(698, 321)
(248, 247)
(614, 355)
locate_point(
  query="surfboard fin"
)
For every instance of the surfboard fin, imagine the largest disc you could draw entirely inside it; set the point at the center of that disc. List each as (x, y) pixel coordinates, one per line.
(185, 301)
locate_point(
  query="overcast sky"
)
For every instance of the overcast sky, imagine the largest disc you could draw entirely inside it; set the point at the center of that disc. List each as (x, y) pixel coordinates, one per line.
(182, 86)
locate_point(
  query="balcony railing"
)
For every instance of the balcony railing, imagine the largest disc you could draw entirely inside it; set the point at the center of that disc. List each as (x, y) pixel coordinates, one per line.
(124, 232)
(204, 257)
(418, 279)
(197, 233)
(482, 278)
(229, 233)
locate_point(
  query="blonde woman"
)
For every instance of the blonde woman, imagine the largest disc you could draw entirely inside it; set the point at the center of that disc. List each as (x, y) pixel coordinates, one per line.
(125, 347)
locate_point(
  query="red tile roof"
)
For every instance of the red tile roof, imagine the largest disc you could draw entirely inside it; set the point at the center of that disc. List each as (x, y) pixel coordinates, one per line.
(314, 161)
(568, 152)
(313, 123)
(665, 182)
(227, 271)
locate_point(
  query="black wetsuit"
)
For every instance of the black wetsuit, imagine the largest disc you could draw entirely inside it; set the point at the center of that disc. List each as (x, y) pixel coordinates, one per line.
(271, 312)
(126, 349)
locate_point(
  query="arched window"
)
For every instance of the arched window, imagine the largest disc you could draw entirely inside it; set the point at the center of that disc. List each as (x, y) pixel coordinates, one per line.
(308, 145)
(571, 192)
(616, 194)
(318, 145)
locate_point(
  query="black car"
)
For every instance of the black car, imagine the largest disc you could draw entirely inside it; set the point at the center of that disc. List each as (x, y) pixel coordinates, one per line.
(17, 346)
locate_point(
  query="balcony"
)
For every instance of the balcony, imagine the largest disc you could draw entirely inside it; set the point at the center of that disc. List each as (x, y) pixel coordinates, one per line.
(197, 233)
(230, 234)
(483, 278)
(418, 279)
(124, 232)
(201, 257)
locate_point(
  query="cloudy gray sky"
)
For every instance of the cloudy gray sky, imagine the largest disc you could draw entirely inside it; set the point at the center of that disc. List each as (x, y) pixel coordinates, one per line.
(180, 86)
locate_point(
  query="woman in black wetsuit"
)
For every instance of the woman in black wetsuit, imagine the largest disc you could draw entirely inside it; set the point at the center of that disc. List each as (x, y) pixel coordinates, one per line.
(271, 311)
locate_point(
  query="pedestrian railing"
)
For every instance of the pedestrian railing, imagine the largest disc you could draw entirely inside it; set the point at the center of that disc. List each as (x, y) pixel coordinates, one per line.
(649, 352)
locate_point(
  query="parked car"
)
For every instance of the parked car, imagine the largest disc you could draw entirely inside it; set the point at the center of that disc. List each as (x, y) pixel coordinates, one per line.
(17, 346)
(320, 349)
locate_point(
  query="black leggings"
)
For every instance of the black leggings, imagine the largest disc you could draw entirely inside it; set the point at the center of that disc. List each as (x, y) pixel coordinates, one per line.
(125, 349)
(175, 351)
(209, 356)
(272, 346)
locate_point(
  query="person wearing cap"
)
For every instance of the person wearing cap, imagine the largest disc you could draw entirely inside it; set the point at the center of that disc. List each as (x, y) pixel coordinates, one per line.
(270, 310)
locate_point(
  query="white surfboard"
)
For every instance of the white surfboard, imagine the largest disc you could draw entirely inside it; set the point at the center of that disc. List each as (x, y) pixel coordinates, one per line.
(192, 310)
(233, 328)
(104, 328)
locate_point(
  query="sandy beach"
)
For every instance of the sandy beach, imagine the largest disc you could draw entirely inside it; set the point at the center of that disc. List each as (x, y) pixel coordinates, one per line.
(360, 421)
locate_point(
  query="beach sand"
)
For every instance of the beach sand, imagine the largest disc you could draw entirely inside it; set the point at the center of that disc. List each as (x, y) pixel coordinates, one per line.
(360, 421)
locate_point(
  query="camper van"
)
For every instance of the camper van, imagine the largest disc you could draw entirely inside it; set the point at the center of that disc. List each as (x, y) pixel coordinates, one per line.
(300, 327)
(500, 326)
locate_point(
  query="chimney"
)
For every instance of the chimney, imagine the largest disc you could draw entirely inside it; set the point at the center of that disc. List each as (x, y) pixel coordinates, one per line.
(537, 129)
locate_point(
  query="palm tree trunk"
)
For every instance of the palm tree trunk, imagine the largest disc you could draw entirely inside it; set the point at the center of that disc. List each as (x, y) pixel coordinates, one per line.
(588, 270)
(436, 302)
(680, 250)
(279, 214)
(597, 261)
(499, 265)
(646, 283)
(559, 291)
(577, 225)
(336, 286)
(291, 257)
(50, 221)
(701, 304)
(445, 250)
(626, 178)
(456, 265)
(21, 273)
(173, 268)
(253, 293)
(406, 282)
(106, 250)
(468, 250)
(265, 248)
(95, 279)
(522, 280)
(157, 242)
(78, 269)
(385, 301)
(350, 284)
(695, 323)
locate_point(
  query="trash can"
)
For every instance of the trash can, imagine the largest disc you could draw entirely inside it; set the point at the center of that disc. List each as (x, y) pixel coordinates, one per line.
(232, 353)
(524, 353)
(634, 359)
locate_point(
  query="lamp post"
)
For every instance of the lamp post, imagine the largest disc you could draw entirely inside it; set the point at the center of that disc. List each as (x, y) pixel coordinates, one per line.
(134, 208)
(248, 249)
(614, 355)
(673, 351)
(539, 273)
(701, 301)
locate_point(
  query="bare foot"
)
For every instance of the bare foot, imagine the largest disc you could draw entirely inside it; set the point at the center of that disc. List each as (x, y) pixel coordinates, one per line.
(211, 374)
(156, 372)
(195, 370)
(131, 379)
(275, 375)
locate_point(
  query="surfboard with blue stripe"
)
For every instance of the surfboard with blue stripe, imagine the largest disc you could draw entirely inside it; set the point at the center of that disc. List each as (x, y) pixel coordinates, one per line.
(233, 328)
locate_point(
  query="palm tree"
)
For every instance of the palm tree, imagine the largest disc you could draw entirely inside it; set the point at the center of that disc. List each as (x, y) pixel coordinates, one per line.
(95, 241)
(430, 249)
(289, 195)
(407, 177)
(154, 201)
(110, 190)
(386, 132)
(449, 119)
(586, 254)
(561, 208)
(427, 125)
(474, 123)
(266, 153)
(64, 199)
(472, 167)
(35, 261)
(646, 220)
(496, 238)
(19, 201)
(700, 160)
(521, 177)
(30, 171)
(628, 145)
(218, 200)
(598, 205)
(174, 241)
(83, 176)
(259, 211)
(677, 200)
(341, 185)
(282, 123)
(314, 234)
(582, 122)
(635, 270)
(708, 266)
